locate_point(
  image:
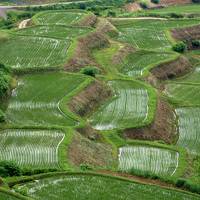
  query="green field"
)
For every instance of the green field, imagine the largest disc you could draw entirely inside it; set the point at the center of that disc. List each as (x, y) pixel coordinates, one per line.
(5, 196)
(140, 61)
(183, 94)
(31, 148)
(149, 34)
(82, 187)
(184, 9)
(148, 159)
(53, 31)
(58, 17)
(36, 100)
(127, 108)
(22, 52)
(188, 128)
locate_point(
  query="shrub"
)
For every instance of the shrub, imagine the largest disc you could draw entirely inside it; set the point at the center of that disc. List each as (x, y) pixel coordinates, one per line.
(85, 167)
(9, 168)
(111, 14)
(90, 71)
(180, 182)
(175, 15)
(2, 116)
(180, 47)
(196, 1)
(155, 1)
(196, 43)
(144, 5)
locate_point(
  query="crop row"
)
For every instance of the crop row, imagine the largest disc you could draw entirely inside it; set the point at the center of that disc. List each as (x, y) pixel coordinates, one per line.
(31, 148)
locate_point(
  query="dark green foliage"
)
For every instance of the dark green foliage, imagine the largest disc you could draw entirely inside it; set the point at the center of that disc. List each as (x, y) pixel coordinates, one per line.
(144, 5)
(180, 182)
(82, 6)
(155, 1)
(8, 168)
(85, 167)
(2, 116)
(29, 171)
(196, 1)
(196, 43)
(175, 15)
(4, 80)
(180, 47)
(90, 71)
(111, 14)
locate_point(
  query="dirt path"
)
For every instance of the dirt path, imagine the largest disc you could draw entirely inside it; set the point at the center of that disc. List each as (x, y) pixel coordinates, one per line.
(145, 18)
(23, 23)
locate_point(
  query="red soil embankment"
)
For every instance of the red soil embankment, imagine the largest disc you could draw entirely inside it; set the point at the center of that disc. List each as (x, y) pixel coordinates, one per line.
(90, 98)
(172, 69)
(163, 127)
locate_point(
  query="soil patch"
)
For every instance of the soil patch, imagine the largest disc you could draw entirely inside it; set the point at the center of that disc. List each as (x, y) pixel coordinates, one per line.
(90, 98)
(187, 34)
(132, 7)
(163, 127)
(174, 2)
(88, 21)
(172, 69)
(122, 54)
(85, 151)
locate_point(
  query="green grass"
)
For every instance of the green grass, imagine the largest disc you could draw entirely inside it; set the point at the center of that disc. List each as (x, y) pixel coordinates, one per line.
(22, 52)
(184, 9)
(139, 62)
(54, 31)
(92, 187)
(149, 34)
(188, 128)
(157, 161)
(37, 100)
(128, 108)
(183, 94)
(57, 17)
(31, 148)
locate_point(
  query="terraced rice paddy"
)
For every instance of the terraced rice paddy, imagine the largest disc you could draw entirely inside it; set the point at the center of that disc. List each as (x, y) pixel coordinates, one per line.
(184, 94)
(138, 62)
(5, 196)
(81, 187)
(188, 127)
(58, 17)
(128, 107)
(31, 148)
(149, 34)
(54, 31)
(32, 52)
(148, 159)
(36, 100)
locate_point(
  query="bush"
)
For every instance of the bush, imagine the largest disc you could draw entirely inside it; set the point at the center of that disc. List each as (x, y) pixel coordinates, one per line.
(2, 116)
(144, 5)
(196, 43)
(85, 167)
(196, 1)
(111, 14)
(180, 47)
(90, 71)
(180, 182)
(175, 15)
(9, 168)
(155, 1)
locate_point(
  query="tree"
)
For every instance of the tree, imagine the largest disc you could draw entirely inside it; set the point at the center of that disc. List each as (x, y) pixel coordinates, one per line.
(155, 1)
(90, 71)
(9, 168)
(180, 47)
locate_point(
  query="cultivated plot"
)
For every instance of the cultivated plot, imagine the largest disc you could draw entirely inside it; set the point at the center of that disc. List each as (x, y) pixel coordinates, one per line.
(188, 128)
(31, 148)
(5, 196)
(128, 108)
(148, 159)
(22, 52)
(149, 34)
(54, 31)
(184, 94)
(58, 17)
(36, 100)
(81, 187)
(136, 63)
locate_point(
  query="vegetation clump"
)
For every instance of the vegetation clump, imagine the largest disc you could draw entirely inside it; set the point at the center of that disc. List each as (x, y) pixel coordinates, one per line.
(180, 47)
(90, 71)
(8, 168)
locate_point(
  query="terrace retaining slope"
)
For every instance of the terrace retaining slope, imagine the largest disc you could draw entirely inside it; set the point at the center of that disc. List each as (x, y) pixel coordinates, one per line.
(90, 98)
(163, 127)
(172, 69)
(187, 34)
